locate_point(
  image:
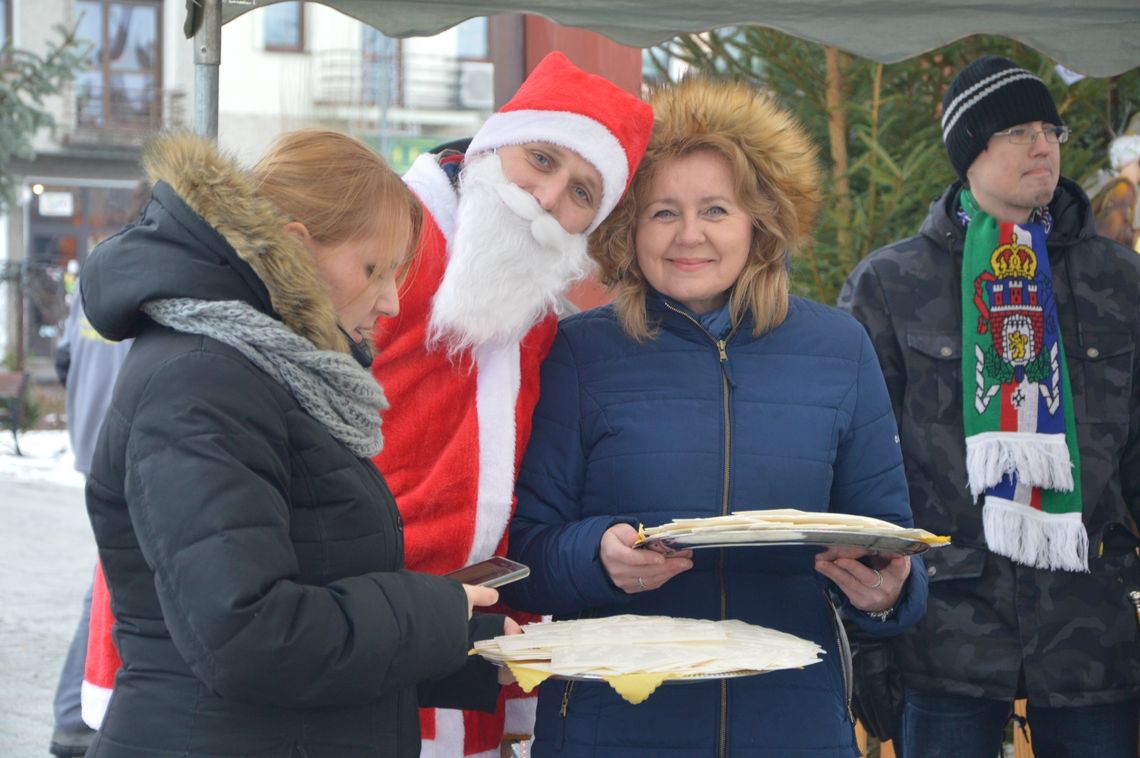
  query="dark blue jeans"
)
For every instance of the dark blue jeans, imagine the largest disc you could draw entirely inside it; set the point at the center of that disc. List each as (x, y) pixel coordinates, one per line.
(936, 725)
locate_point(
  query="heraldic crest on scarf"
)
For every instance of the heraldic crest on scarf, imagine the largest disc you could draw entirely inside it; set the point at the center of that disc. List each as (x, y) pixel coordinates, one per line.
(1021, 446)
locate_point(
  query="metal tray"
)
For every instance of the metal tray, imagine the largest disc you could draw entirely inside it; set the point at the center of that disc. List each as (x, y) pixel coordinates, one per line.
(683, 679)
(874, 542)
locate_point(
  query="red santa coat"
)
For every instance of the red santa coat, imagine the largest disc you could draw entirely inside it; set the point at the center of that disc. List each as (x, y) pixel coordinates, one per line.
(453, 440)
(102, 662)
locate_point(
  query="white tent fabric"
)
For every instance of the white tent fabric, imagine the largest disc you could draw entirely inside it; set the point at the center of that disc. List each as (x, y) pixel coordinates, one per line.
(1093, 37)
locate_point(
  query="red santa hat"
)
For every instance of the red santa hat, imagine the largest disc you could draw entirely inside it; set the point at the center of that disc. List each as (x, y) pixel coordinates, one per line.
(561, 104)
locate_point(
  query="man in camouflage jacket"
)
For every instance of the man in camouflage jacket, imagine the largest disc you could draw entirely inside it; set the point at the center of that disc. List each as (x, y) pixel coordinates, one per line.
(996, 630)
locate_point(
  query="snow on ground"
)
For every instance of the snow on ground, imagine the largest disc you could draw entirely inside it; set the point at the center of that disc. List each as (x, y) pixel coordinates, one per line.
(46, 457)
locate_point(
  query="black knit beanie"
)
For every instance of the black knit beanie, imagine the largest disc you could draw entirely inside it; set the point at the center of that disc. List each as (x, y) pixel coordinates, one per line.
(989, 95)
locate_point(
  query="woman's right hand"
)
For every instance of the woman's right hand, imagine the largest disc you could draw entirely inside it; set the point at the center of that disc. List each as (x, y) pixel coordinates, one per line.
(638, 570)
(478, 597)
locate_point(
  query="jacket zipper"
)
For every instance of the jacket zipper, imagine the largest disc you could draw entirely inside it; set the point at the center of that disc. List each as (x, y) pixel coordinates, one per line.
(562, 710)
(722, 355)
(724, 512)
(565, 707)
(566, 699)
(843, 646)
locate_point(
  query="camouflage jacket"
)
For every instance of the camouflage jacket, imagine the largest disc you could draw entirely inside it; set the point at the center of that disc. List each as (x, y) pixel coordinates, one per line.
(993, 628)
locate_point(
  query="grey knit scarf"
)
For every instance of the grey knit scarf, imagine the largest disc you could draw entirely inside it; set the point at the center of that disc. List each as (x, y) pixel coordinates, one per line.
(332, 387)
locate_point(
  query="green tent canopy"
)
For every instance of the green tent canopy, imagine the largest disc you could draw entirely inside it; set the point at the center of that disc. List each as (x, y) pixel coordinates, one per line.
(1093, 37)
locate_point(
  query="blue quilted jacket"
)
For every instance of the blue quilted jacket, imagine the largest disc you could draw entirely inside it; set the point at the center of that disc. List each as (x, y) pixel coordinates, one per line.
(688, 425)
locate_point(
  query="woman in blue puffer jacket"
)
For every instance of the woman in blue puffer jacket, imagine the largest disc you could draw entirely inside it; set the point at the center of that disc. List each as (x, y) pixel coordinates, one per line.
(707, 389)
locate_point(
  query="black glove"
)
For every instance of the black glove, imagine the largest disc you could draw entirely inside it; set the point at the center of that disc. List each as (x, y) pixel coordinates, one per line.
(877, 694)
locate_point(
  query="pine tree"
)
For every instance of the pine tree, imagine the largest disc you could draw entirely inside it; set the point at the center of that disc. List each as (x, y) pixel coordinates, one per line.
(877, 126)
(25, 80)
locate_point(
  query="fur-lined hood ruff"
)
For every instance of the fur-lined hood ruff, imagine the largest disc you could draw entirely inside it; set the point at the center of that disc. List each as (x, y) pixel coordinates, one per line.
(206, 233)
(780, 151)
(226, 196)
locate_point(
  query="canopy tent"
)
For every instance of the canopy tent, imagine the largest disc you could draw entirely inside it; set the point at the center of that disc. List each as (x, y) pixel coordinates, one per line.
(1093, 37)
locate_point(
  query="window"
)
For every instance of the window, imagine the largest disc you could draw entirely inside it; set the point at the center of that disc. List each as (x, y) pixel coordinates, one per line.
(472, 44)
(284, 25)
(381, 72)
(5, 23)
(65, 222)
(123, 86)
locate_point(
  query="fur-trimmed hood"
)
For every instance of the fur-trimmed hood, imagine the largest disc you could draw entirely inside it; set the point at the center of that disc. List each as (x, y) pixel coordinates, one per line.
(743, 124)
(777, 146)
(208, 234)
(771, 161)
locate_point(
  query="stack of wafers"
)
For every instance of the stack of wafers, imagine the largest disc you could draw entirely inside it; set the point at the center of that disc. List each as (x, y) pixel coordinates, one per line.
(635, 654)
(742, 524)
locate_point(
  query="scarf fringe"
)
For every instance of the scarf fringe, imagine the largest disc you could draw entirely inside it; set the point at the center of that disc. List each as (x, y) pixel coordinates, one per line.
(1057, 542)
(1039, 460)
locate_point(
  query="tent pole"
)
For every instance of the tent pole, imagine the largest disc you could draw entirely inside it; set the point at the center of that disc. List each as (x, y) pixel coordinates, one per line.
(207, 61)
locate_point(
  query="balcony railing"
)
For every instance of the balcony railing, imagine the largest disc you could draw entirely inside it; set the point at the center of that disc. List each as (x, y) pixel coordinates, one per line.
(413, 81)
(119, 116)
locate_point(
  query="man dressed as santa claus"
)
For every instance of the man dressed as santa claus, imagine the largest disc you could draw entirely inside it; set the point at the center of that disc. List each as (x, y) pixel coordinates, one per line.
(504, 236)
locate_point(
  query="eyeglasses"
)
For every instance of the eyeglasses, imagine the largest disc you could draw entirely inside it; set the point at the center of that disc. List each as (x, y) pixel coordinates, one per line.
(1056, 135)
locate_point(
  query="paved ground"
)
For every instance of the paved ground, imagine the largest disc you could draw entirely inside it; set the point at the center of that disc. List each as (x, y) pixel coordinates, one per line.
(47, 554)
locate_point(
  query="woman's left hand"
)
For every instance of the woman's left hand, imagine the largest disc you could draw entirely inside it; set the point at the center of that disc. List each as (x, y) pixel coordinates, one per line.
(869, 588)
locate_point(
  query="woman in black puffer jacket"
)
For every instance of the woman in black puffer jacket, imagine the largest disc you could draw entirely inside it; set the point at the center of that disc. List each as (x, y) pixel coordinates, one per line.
(254, 555)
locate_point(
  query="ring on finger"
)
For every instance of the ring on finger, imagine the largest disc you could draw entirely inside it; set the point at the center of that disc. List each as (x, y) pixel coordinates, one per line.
(641, 583)
(878, 580)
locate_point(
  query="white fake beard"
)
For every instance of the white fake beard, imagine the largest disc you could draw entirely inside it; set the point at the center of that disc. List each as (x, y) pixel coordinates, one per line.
(508, 266)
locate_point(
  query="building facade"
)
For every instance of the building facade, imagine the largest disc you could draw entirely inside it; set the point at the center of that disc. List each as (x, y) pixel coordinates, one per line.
(79, 186)
(284, 66)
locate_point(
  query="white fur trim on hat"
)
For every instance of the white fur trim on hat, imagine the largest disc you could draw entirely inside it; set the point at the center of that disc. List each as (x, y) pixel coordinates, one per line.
(585, 136)
(1124, 150)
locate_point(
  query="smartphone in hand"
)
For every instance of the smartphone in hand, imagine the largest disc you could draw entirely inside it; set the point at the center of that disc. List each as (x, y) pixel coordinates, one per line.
(493, 572)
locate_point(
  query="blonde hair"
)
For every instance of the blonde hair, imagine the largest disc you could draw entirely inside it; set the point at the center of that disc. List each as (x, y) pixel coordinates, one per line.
(341, 190)
(776, 177)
